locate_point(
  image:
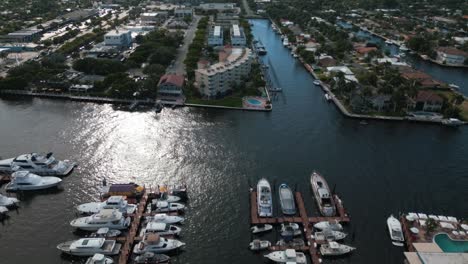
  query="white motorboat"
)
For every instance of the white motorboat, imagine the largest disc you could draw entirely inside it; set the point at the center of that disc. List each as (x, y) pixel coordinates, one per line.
(327, 97)
(285, 41)
(329, 235)
(109, 218)
(317, 82)
(290, 229)
(403, 48)
(258, 244)
(27, 181)
(264, 199)
(389, 42)
(160, 229)
(39, 164)
(452, 122)
(8, 201)
(395, 231)
(296, 242)
(106, 232)
(156, 244)
(261, 228)
(335, 249)
(99, 259)
(90, 246)
(114, 202)
(288, 206)
(332, 225)
(163, 207)
(454, 86)
(168, 198)
(167, 219)
(287, 256)
(150, 257)
(322, 195)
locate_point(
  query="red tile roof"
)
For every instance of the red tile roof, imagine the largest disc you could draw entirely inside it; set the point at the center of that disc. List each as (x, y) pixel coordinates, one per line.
(365, 50)
(428, 96)
(452, 51)
(177, 80)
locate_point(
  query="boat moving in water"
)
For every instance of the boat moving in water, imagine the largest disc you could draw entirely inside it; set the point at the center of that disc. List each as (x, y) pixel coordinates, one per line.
(39, 164)
(261, 228)
(286, 197)
(395, 231)
(264, 199)
(322, 195)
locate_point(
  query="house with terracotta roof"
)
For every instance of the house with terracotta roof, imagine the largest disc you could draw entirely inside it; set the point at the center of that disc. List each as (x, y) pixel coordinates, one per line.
(364, 51)
(171, 85)
(427, 101)
(424, 79)
(451, 56)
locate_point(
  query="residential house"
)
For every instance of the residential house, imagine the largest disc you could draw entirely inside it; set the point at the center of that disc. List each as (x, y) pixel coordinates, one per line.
(420, 77)
(171, 85)
(326, 61)
(238, 36)
(427, 101)
(451, 56)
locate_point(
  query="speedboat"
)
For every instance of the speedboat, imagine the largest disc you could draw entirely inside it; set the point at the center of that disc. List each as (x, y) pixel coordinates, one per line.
(261, 228)
(167, 219)
(403, 48)
(454, 86)
(8, 201)
(110, 218)
(168, 198)
(264, 199)
(39, 164)
(90, 246)
(389, 42)
(332, 225)
(150, 257)
(163, 207)
(156, 244)
(160, 229)
(290, 229)
(327, 97)
(296, 242)
(286, 197)
(106, 232)
(396, 233)
(452, 122)
(26, 181)
(317, 82)
(335, 249)
(114, 202)
(287, 256)
(3, 212)
(322, 195)
(329, 235)
(285, 41)
(99, 259)
(258, 244)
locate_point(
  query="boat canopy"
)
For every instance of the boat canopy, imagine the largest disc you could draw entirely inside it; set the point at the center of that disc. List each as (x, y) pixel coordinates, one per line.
(334, 245)
(90, 242)
(290, 253)
(324, 194)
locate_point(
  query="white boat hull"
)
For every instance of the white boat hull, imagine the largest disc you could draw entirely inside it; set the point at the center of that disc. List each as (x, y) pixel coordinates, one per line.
(47, 182)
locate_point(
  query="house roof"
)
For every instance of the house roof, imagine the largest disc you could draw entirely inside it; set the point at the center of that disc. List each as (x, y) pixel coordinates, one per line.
(452, 51)
(177, 80)
(327, 62)
(428, 96)
(365, 50)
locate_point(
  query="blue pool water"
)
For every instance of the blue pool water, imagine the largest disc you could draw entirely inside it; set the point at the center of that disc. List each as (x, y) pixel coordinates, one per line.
(449, 245)
(254, 101)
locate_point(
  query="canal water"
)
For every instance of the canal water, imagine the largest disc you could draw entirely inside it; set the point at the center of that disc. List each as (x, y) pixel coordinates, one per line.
(380, 169)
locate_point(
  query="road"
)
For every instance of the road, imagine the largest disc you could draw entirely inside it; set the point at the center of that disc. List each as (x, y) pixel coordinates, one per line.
(248, 12)
(179, 66)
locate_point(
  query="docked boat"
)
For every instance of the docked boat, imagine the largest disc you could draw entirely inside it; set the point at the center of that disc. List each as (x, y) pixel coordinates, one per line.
(329, 235)
(395, 231)
(296, 242)
(166, 198)
(403, 48)
(322, 195)
(167, 219)
(90, 246)
(150, 257)
(332, 225)
(3, 212)
(99, 259)
(156, 244)
(454, 86)
(261, 228)
(287, 256)
(164, 207)
(288, 206)
(335, 249)
(27, 181)
(264, 199)
(109, 218)
(452, 122)
(327, 97)
(114, 202)
(106, 232)
(285, 41)
(8, 201)
(160, 229)
(389, 42)
(38, 164)
(317, 82)
(258, 244)
(290, 230)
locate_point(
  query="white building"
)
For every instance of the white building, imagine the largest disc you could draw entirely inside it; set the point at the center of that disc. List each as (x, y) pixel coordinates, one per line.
(237, 36)
(120, 38)
(451, 56)
(183, 12)
(216, 36)
(153, 18)
(217, 79)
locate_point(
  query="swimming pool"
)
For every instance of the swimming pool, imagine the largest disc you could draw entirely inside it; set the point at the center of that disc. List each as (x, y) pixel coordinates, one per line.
(254, 101)
(449, 245)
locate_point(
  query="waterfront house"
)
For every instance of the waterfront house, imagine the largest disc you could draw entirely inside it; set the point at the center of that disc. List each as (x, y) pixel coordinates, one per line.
(451, 56)
(312, 46)
(381, 102)
(326, 61)
(171, 85)
(427, 101)
(423, 79)
(364, 51)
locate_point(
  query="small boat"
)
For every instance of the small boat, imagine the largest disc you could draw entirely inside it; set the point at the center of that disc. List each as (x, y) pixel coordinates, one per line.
(158, 107)
(327, 97)
(317, 82)
(258, 244)
(335, 249)
(285, 41)
(150, 257)
(260, 48)
(332, 225)
(156, 244)
(403, 48)
(275, 89)
(164, 218)
(99, 259)
(116, 202)
(39, 164)
(290, 230)
(261, 228)
(8, 201)
(454, 86)
(322, 195)
(287, 256)
(389, 42)
(452, 122)
(109, 218)
(296, 242)
(26, 181)
(395, 231)
(295, 55)
(168, 198)
(106, 232)
(329, 235)
(363, 122)
(264, 199)
(161, 229)
(286, 197)
(163, 207)
(90, 246)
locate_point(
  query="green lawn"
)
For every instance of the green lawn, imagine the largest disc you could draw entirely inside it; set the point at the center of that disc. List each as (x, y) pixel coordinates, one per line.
(231, 101)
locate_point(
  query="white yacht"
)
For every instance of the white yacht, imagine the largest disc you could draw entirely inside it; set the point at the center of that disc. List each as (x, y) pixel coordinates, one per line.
(3, 212)
(335, 249)
(163, 207)
(8, 201)
(287, 256)
(114, 202)
(27, 181)
(110, 218)
(261, 228)
(258, 244)
(329, 235)
(403, 48)
(156, 244)
(332, 225)
(290, 229)
(39, 164)
(264, 199)
(90, 246)
(322, 195)
(396, 233)
(161, 229)
(167, 219)
(150, 257)
(99, 259)
(317, 82)
(452, 122)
